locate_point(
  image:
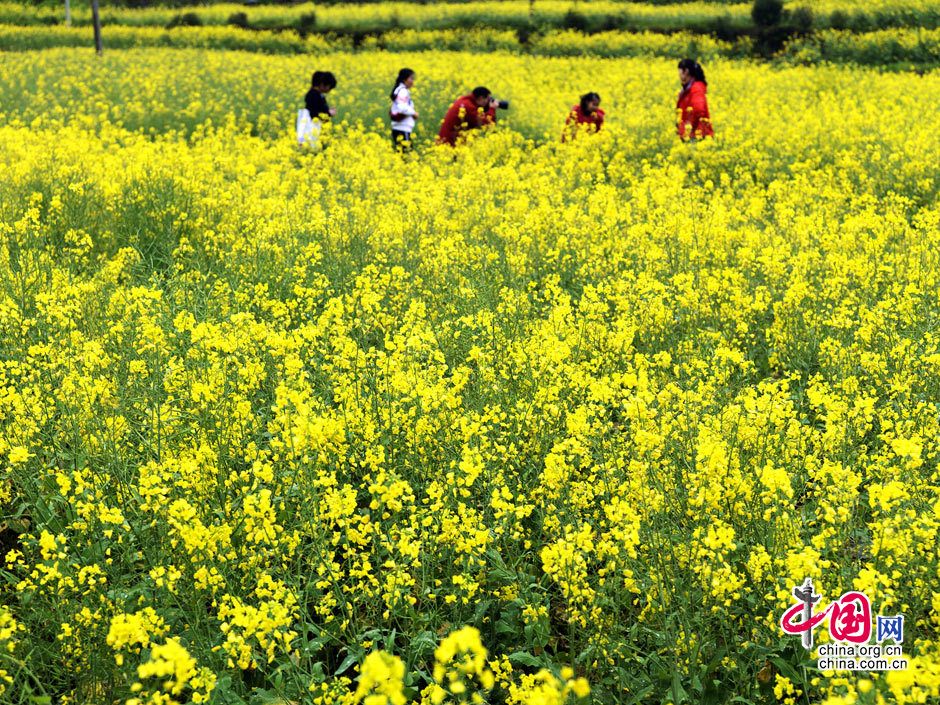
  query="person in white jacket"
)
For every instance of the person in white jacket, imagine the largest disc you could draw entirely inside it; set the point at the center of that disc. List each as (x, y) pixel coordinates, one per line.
(402, 112)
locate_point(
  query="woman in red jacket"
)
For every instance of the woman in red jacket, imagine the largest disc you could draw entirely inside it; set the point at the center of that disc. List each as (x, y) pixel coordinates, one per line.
(586, 116)
(692, 118)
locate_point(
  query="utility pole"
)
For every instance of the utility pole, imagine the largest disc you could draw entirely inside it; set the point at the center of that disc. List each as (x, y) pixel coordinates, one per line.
(68, 13)
(97, 22)
(808, 598)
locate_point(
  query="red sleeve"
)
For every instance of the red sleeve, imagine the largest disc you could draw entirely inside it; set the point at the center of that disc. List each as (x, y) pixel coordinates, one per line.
(693, 113)
(600, 118)
(699, 105)
(569, 130)
(572, 116)
(448, 132)
(683, 118)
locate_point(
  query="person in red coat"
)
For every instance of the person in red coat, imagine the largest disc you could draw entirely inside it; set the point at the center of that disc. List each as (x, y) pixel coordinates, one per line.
(692, 118)
(587, 116)
(469, 112)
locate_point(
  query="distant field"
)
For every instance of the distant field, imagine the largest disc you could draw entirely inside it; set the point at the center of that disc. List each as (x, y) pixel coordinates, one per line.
(896, 35)
(894, 48)
(596, 15)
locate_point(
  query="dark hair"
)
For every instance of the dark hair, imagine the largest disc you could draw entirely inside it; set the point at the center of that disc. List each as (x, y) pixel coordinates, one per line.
(403, 76)
(695, 69)
(481, 92)
(587, 98)
(323, 78)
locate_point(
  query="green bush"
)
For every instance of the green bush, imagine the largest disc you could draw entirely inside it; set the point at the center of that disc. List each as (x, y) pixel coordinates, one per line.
(524, 33)
(307, 22)
(186, 19)
(860, 22)
(238, 19)
(575, 20)
(767, 13)
(801, 20)
(723, 28)
(839, 20)
(614, 22)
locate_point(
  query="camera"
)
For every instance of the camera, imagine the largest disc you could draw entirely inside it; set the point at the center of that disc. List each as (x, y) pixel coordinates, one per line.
(501, 104)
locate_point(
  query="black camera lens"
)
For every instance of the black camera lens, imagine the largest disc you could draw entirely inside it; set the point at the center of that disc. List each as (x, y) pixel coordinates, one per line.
(502, 104)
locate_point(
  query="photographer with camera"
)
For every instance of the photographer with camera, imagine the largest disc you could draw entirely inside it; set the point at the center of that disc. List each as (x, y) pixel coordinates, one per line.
(473, 111)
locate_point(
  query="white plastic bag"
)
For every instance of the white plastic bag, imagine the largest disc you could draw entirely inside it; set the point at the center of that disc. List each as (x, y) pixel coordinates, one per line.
(308, 130)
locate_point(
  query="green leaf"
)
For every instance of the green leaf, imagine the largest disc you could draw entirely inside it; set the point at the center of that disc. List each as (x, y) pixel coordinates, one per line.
(536, 634)
(716, 660)
(481, 609)
(786, 669)
(640, 696)
(423, 644)
(317, 672)
(524, 658)
(678, 692)
(312, 646)
(350, 659)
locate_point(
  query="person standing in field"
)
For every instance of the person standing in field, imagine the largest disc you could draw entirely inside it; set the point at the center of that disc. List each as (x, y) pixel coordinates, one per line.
(402, 112)
(693, 120)
(586, 116)
(316, 111)
(321, 83)
(472, 111)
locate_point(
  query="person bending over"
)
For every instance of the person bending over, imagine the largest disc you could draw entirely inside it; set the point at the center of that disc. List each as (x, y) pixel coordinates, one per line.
(470, 112)
(586, 116)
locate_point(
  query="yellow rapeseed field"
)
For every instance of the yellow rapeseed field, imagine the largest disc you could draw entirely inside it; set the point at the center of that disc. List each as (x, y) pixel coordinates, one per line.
(525, 422)
(370, 16)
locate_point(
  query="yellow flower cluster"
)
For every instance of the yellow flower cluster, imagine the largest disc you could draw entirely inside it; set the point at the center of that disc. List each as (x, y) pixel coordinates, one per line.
(381, 681)
(268, 624)
(135, 631)
(460, 669)
(179, 678)
(492, 410)
(9, 628)
(545, 688)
